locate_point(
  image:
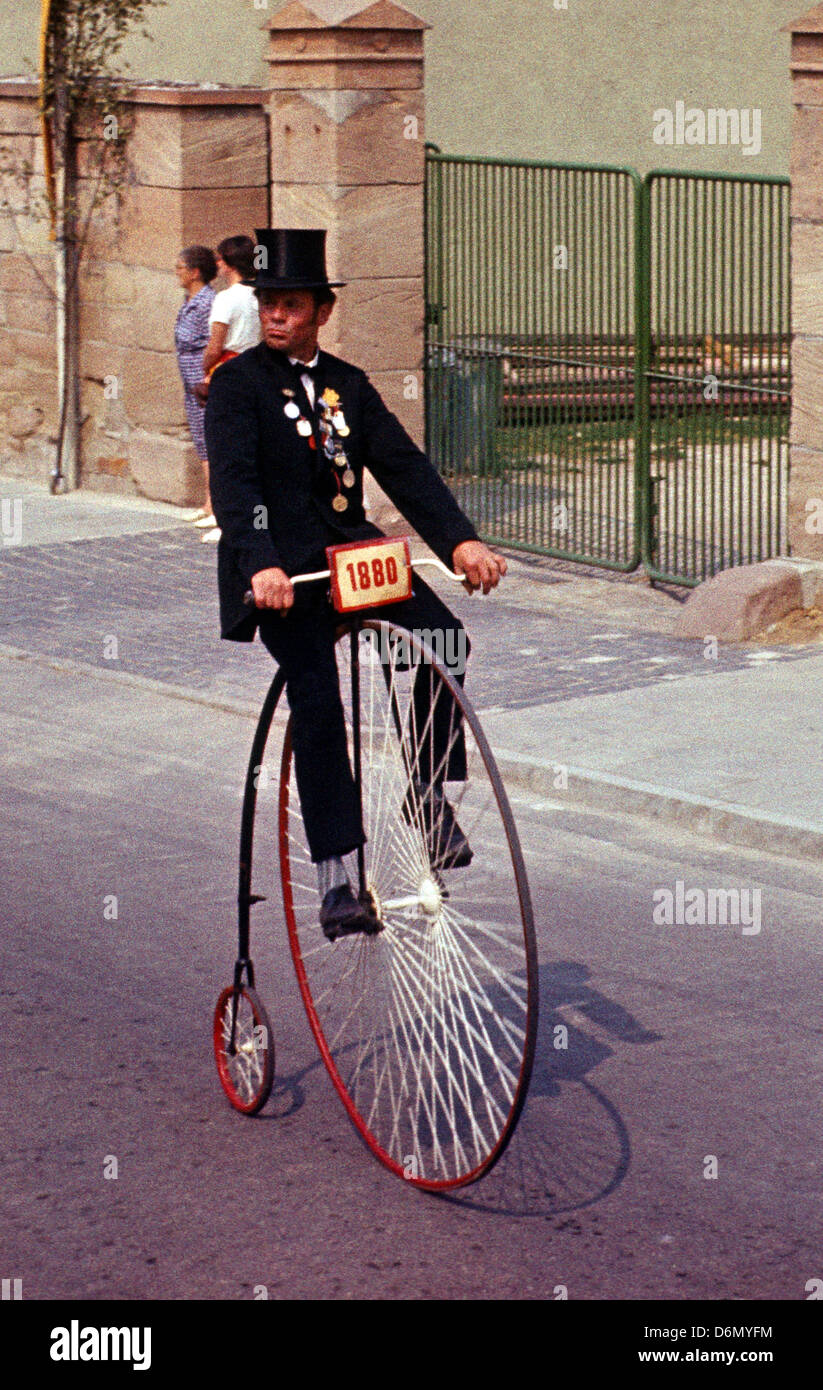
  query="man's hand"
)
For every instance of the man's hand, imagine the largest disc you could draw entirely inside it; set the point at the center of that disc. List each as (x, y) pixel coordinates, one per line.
(483, 567)
(201, 390)
(273, 589)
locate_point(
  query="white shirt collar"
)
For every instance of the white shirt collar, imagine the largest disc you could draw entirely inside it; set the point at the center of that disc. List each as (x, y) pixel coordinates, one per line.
(295, 361)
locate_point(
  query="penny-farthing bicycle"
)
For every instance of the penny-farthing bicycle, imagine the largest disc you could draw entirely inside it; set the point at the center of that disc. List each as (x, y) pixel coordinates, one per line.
(426, 1025)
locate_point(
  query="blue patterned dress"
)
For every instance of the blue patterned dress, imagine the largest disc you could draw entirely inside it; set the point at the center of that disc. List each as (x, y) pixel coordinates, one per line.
(191, 336)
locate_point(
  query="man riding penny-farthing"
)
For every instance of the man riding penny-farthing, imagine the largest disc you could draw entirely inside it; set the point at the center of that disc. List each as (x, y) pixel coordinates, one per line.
(403, 884)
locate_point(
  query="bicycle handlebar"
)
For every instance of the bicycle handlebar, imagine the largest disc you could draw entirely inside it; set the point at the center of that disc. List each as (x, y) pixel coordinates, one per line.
(326, 574)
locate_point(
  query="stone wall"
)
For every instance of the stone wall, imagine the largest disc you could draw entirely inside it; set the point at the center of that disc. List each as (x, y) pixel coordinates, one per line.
(198, 172)
(335, 141)
(348, 153)
(27, 352)
(806, 454)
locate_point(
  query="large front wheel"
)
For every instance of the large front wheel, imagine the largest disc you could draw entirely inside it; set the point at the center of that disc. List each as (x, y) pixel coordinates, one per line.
(427, 1028)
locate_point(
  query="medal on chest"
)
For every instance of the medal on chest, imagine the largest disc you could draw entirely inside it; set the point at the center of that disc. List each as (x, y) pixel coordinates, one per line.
(334, 429)
(292, 411)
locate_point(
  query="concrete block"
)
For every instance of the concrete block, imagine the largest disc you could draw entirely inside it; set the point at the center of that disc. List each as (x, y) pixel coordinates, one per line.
(375, 231)
(807, 392)
(807, 163)
(99, 360)
(157, 223)
(19, 116)
(740, 602)
(108, 282)
(37, 348)
(224, 147)
(106, 324)
(111, 464)
(347, 137)
(805, 509)
(8, 233)
(349, 75)
(379, 323)
(34, 232)
(346, 14)
(157, 298)
(151, 227)
(810, 573)
(371, 54)
(17, 156)
(155, 146)
(31, 275)
(165, 468)
(394, 388)
(25, 311)
(152, 390)
(199, 147)
(807, 278)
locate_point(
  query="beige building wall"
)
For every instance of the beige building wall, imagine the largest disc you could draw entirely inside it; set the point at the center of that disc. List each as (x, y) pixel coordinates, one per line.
(522, 78)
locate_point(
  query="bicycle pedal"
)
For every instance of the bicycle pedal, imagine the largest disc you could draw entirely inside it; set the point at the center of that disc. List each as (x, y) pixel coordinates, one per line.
(367, 902)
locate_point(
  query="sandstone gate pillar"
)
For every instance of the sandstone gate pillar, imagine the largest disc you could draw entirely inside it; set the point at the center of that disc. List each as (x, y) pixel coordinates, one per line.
(806, 471)
(347, 140)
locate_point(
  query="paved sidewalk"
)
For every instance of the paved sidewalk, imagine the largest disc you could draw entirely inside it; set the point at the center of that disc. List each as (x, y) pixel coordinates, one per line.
(577, 673)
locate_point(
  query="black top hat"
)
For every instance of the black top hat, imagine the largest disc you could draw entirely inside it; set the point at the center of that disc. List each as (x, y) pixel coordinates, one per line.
(291, 259)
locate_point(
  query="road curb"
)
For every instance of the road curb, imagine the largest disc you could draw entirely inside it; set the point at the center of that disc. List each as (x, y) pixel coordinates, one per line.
(244, 709)
(719, 820)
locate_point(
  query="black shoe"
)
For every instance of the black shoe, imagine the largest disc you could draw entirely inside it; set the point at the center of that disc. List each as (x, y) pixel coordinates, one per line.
(428, 808)
(342, 915)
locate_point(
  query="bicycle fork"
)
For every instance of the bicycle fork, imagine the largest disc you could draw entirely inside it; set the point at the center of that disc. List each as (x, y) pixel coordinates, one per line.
(354, 639)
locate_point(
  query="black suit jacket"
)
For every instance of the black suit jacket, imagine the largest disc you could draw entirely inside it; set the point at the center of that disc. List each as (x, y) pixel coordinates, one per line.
(272, 492)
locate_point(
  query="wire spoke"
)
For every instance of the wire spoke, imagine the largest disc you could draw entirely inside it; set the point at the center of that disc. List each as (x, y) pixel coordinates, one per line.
(427, 1022)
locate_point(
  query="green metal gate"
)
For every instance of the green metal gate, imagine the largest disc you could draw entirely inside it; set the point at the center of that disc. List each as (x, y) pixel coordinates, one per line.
(607, 360)
(718, 385)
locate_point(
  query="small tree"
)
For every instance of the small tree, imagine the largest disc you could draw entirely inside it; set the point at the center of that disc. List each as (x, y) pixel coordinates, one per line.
(81, 94)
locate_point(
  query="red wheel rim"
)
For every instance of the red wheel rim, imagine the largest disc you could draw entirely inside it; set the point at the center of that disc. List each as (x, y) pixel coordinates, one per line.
(247, 1078)
(498, 1122)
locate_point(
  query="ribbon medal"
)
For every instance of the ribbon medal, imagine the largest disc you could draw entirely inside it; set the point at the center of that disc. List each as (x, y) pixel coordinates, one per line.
(333, 423)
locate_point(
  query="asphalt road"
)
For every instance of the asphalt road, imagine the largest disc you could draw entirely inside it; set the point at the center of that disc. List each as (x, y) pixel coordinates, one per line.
(684, 1042)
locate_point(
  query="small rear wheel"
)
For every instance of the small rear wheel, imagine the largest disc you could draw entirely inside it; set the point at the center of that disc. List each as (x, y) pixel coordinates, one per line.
(243, 1049)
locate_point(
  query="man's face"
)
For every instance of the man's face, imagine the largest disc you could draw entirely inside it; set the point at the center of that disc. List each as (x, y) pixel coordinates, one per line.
(290, 320)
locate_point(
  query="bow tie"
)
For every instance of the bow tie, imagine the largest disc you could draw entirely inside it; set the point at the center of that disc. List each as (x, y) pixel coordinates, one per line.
(301, 369)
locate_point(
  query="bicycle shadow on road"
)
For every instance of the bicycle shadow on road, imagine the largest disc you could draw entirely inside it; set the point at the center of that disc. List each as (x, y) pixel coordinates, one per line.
(571, 1147)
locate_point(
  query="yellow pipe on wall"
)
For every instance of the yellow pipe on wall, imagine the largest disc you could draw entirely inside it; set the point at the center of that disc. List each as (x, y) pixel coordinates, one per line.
(48, 147)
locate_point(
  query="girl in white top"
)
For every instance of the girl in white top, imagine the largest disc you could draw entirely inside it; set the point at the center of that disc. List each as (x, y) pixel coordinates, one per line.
(235, 318)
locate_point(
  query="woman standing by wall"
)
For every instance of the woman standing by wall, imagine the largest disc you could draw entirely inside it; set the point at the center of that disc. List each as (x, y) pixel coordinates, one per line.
(196, 267)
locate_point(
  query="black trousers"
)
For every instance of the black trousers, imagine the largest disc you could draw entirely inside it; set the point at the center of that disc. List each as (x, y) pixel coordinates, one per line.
(303, 645)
